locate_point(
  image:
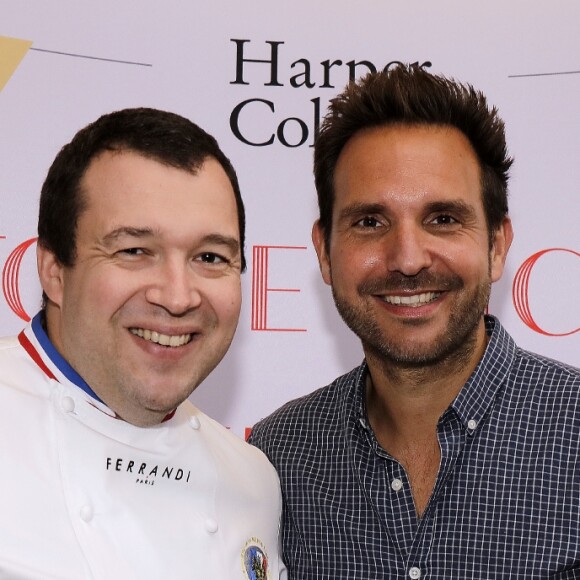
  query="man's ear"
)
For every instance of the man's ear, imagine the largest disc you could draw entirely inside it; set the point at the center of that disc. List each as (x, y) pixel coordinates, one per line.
(50, 273)
(319, 242)
(502, 240)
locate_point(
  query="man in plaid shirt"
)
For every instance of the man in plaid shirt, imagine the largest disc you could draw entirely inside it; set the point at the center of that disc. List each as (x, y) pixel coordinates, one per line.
(450, 452)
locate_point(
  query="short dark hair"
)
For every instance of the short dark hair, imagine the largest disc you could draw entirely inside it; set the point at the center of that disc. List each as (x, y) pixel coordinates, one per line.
(409, 95)
(160, 135)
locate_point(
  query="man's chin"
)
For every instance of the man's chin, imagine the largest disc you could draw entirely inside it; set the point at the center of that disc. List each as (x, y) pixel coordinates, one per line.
(163, 397)
(423, 353)
(413, 357)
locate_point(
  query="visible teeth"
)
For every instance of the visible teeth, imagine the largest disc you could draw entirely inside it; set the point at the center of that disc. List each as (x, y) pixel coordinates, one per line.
(163, 339)
(413, 301)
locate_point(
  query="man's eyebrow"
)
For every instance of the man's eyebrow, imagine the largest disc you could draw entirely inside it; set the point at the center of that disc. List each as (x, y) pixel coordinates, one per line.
(359, 208)
(127, 231)
(230, 242)
(452, 206)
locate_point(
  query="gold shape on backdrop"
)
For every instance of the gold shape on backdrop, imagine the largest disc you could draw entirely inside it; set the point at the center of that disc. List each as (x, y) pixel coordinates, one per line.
(12, 51)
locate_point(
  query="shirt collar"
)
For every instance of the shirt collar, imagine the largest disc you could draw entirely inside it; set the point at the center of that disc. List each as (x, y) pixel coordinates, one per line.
(359, 395)
(478, 393)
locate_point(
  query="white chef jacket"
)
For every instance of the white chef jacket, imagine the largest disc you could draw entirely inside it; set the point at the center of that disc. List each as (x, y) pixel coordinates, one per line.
(86, 495)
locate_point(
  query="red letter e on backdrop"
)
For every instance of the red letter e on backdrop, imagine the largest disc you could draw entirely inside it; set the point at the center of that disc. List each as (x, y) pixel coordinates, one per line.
(261, 289)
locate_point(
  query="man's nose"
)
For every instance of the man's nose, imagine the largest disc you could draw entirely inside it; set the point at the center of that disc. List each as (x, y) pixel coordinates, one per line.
(176, 289)
(408, 249)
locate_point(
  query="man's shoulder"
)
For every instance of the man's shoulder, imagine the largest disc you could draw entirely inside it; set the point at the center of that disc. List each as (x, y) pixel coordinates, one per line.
(322, 410)
(8, 345)
(524, 370)
(225, 446)
(551, 387)
(545, 371)
(18, 369)
(8, 341)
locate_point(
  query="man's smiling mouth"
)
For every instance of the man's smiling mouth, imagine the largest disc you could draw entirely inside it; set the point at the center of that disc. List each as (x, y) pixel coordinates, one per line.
(413, 301)
(162, 339)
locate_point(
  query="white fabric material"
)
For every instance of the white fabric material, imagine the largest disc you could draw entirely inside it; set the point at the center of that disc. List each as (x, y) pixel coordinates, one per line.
(525, 56)
(86, 495)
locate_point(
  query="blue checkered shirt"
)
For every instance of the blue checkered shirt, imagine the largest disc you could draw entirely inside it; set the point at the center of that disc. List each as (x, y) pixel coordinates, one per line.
(506, 503)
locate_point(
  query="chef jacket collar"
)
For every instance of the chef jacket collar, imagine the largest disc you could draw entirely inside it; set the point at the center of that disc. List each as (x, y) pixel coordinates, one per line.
(55, 357)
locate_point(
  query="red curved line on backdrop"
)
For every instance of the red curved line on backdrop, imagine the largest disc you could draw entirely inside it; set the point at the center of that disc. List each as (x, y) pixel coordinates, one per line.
(523, 286)
(520, 294)
(10, 274)
(10, 281)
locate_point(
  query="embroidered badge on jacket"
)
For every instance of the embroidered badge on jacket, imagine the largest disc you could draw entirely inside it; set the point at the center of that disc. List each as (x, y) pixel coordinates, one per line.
(255, 560)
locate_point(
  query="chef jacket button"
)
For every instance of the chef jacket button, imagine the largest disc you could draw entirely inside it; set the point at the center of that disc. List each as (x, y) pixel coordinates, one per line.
(67, 404)
(211, 526)
(86, 513)
(194, 422)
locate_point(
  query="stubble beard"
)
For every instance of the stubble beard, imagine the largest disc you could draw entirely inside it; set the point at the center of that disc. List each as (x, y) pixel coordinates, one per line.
(455, 344)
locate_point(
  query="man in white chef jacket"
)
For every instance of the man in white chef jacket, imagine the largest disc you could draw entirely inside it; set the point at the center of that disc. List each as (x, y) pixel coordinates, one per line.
(107, 470)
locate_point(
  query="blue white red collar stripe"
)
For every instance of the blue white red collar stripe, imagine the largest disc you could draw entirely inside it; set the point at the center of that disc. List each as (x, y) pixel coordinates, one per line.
(44, 351)
(36, 343)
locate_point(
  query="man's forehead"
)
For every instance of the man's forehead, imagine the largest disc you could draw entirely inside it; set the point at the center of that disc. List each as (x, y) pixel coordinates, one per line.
(393, 132)
(131, 190)
(126, 167)
(400, 147)
(391, 167)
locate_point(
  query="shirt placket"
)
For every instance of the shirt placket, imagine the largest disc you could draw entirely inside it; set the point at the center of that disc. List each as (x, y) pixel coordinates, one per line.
(386, 486)
(452, 438)
(389, 490)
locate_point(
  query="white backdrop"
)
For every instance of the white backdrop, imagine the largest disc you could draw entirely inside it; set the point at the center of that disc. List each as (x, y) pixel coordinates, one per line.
(201, 60)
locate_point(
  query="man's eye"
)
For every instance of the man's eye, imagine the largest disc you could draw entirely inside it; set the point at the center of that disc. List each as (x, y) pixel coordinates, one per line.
(444, 220)
(368, 222)
(132, 251)
(211, 258)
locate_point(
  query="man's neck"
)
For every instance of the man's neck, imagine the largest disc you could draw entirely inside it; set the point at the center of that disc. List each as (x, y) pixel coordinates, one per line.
(405, 400)
(404, 404)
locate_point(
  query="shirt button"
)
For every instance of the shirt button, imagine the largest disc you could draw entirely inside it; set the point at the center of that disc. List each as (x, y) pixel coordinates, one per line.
(471, 424)
(67, 404)
(194, 422)
(211, 526)
(396, 485)
(414, 573)
(86, 513)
